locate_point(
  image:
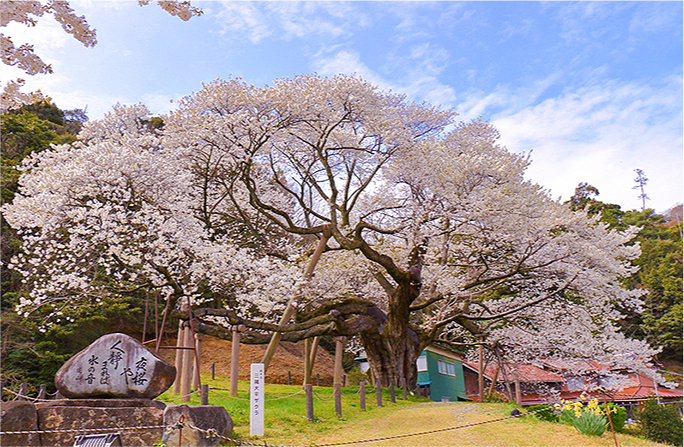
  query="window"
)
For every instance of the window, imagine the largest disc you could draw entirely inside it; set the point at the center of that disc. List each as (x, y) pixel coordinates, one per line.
(446, 368)
(421, 363)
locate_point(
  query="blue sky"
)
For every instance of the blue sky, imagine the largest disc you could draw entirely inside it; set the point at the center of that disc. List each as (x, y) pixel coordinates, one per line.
(592, 89)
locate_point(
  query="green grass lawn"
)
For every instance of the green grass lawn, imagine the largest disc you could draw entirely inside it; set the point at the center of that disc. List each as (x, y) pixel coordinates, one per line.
(286, 423)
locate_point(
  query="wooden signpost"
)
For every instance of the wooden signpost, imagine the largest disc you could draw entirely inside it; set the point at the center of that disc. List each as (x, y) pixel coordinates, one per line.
(256, 400)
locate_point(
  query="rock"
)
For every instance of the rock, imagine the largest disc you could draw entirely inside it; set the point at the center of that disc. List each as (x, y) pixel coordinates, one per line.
(124, 416)
(19, 416)
(204, 417)
(115, 366)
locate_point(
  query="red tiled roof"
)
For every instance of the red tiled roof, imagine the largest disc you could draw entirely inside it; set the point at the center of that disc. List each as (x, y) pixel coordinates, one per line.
(525, 372)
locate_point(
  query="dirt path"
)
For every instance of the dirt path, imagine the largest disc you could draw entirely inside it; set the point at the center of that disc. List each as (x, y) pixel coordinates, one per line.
(425, 417)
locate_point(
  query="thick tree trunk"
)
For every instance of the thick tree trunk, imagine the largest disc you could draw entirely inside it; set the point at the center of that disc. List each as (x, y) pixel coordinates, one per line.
(392, 358)
(392, 352)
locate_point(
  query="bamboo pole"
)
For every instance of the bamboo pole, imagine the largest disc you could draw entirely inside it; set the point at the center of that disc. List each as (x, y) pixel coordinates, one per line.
(289, 310)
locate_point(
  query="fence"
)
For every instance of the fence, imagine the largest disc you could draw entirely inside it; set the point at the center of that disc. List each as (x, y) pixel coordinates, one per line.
(312, 395)
(211, 433)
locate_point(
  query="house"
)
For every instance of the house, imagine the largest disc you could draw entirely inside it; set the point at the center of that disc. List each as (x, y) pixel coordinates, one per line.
(531, 378)
(440, 374)
(547, 380)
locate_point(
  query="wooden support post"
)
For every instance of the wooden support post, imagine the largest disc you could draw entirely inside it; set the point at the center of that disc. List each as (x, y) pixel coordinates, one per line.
(22, 391)
(502, 367)
(393, 395)
(43, 392)
(289, 310)
(234, 361)
(213, 371)
(311, 353)
(492, 386)
(198, 353)
(204, 394)
(378, 392)
(186, 376)
(362, 393)
(404, 388)
(180, 342)
(318, 379)
(156, 320)
(165, 313)
(337, 390)
(307, 362)
(339, 348)
(480, 373)
(309, 402)
(314, 351)
(147, 305)
(289, 377)
(518, 391)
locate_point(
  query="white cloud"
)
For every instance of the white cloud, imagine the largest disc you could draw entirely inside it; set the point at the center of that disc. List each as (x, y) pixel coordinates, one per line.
(599, 135)
(288, 20)
(243, 19)
(349, 63)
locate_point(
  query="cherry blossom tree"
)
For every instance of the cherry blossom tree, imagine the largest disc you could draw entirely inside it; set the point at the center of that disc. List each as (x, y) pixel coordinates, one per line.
(24, 57)
(115, 213)
(431, 231)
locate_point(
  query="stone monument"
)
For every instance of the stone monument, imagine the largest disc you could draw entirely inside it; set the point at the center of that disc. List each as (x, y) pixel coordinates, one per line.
(109, 388)
(115, 366)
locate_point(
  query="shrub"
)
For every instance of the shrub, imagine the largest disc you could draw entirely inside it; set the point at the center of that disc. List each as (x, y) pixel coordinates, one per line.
(355, 376)
(618, 415)
(660, 423)
(543, 412)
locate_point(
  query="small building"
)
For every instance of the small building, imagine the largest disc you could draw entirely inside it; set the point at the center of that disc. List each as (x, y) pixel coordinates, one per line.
(440, 374)
(548, 380)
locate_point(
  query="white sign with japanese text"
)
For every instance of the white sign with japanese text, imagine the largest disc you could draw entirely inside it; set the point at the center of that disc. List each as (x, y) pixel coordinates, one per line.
(256, 400)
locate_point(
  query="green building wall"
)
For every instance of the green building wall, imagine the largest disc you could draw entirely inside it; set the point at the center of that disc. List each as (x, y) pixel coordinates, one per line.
(443, 385)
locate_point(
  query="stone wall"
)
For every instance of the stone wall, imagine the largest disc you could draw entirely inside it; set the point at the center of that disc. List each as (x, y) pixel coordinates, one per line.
(108, 416)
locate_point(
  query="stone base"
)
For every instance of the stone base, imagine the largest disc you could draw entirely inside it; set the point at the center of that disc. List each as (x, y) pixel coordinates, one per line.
(105, 415)
(18, 415)
(204, 417)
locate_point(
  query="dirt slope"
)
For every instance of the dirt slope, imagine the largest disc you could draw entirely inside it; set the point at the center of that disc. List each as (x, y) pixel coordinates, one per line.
(288, 357)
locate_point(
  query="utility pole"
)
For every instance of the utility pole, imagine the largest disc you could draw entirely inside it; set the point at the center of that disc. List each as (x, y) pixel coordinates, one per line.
(641, 181)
